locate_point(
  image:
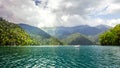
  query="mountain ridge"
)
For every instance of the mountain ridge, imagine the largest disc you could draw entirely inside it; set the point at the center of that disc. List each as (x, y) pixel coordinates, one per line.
(83, 29)
(41, 36)
(77, 39)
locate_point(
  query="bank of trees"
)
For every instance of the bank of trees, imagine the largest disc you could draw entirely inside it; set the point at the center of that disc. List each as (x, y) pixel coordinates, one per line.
(111, 37)
(12, 34)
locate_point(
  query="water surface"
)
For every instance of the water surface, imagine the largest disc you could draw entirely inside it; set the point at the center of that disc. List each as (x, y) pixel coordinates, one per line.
(60, 57)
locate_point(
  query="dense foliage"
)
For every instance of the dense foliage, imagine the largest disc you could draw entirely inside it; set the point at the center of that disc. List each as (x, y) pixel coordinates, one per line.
(12, 34)
(40, 36)
(77, 39)
(111, 37)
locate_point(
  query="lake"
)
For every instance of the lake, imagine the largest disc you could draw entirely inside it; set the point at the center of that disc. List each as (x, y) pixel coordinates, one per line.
(60, 57)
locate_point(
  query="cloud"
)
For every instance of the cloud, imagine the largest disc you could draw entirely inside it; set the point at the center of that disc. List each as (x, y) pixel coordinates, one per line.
(49, 13)
(113, 22)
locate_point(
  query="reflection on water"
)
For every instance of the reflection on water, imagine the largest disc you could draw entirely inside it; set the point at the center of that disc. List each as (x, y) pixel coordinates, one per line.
(60, 57)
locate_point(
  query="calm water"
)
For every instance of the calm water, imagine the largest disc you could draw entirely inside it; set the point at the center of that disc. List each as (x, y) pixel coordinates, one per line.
(60, 57)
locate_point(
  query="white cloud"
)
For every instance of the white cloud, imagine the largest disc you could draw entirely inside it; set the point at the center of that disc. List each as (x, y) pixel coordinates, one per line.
(74, 20)
(113, 8)
(51, 13)
(113, 22)
(26, 12)
(54, 4)
(65, 18)
(68, 5)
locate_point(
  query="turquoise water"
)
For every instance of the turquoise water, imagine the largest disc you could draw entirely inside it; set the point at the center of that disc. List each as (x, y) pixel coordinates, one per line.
(60, 57)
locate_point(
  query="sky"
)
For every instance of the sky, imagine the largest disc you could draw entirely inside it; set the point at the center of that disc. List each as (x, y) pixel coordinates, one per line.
(68, 13)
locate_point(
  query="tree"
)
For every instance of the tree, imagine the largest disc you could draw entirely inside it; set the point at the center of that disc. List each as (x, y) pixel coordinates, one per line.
(12, 34)
(111, 37)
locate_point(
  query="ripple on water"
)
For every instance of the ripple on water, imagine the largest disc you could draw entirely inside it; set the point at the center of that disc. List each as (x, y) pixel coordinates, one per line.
(60, 57)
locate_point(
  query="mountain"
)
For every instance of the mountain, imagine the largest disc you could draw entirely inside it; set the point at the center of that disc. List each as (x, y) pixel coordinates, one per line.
(34, 31)
(90, 32)
(77, 39)
(62, 32)
(12, 34)
(103, 27)
(38, 34)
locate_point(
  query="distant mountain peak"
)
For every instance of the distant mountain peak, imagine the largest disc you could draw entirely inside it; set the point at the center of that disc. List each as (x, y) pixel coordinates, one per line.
(41, 36)
(34, 30)
(77, 39)
(103, 27)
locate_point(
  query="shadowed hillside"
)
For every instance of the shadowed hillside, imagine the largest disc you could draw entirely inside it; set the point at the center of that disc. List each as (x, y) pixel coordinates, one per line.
(77, 39)
(40, 36)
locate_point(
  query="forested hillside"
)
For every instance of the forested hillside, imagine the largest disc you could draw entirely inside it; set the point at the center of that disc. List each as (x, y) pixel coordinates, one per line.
(111, 37)
(77, 39)
(40, 36)
(12, 34)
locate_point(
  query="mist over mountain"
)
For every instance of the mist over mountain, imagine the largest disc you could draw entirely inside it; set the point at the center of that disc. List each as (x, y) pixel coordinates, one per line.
(54, 35)
(40, 36)
(103, 27)
(34, 30)
(89, 32)
(61, 32)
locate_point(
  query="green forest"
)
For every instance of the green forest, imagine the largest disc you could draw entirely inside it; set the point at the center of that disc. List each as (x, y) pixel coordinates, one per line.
(12, 34)
(77, 39)
(111, 37)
